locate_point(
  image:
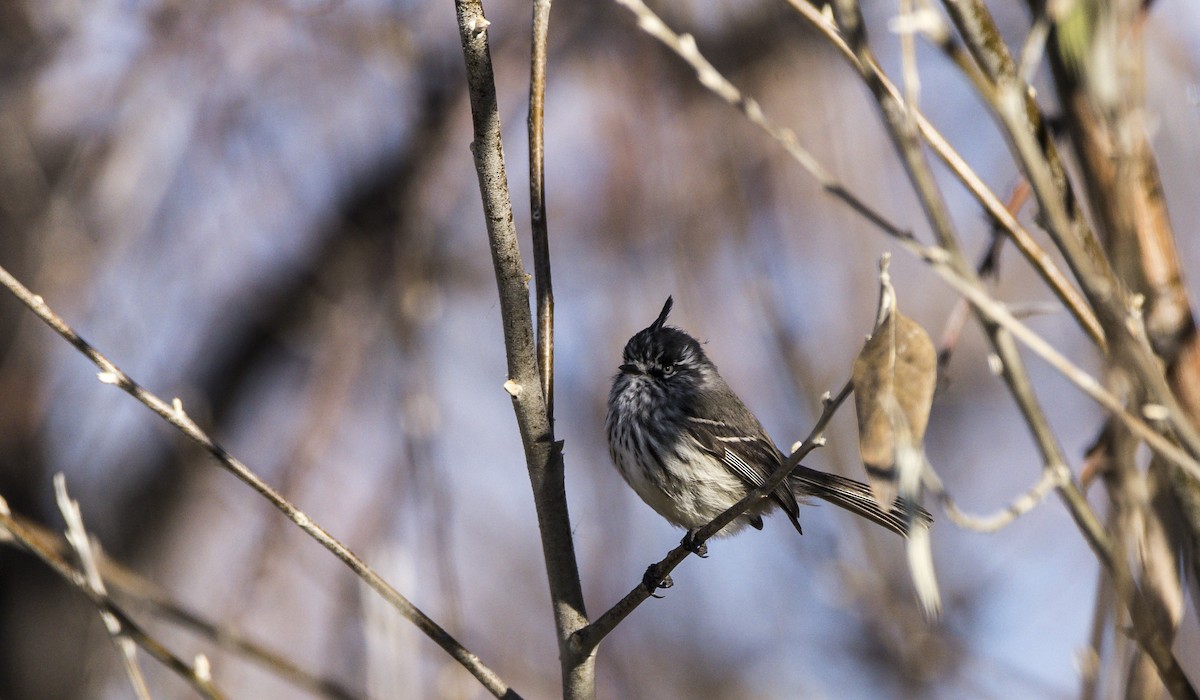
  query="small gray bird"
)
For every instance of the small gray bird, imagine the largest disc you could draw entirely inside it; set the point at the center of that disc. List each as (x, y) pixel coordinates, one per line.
(691, 449)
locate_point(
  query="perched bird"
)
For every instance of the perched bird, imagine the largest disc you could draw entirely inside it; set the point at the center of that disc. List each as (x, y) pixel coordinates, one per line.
(691, 449)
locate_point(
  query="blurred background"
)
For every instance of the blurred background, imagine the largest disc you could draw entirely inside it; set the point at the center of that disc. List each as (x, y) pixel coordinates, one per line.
(268, 209)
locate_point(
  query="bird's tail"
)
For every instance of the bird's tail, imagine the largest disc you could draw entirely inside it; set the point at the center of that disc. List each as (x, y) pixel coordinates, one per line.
(854, 497)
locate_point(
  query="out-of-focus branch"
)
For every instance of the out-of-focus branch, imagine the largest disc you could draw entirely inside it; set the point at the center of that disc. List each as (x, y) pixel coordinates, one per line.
(900, 124)
(1034, 149)
(587, 639)
(1149, 637)
(81, 544)
(195, 676)
(1128, 346)
(142, 594)
(1048, 482)
(1102, 106)
(543, 455)
(176, 416)
(992, 205)
(537, 203)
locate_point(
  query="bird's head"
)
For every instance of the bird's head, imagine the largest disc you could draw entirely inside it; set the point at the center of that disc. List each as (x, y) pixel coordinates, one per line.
(664, 354)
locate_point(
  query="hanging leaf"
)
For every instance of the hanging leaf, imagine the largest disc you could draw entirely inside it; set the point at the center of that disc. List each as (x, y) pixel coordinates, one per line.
(894, 378)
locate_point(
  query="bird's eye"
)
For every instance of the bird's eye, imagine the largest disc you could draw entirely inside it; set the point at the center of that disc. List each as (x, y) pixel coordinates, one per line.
(668, 370)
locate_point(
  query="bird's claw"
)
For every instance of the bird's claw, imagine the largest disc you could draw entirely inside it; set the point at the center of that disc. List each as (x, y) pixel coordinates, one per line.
(689, 543)
(652, 581)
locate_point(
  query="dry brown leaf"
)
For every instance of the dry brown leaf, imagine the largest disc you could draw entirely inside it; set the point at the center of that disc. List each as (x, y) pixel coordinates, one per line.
(894, 378)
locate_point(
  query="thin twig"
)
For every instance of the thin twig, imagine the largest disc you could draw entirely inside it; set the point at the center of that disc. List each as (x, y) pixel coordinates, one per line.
(1047, 483)
(988, 268)
(543, 456)
(80, 542)
(537, 204)
(176, 416)
(996, 312)
(1095, 276)
(78, 580)
(908, 55)
(1148, 637)
(587, 639)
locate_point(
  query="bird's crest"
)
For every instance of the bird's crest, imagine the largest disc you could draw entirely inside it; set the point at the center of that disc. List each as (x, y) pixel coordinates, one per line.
(662, 315)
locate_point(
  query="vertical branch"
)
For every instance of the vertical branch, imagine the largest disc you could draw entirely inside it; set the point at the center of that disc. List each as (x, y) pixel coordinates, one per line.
(1097, 63)
(543, 455)
(537, 204)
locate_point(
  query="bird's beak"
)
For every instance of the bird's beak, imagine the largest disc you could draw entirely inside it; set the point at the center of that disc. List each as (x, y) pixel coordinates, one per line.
(630, 369)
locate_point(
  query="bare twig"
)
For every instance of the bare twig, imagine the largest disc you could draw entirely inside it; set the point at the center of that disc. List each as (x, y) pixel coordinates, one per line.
(587, 639)
(1048, 482)
(77, 579)
(996, 312)
(537, 204)
(1096, 277)
(900, 125)
(176, 416)
(543, 456)
(77, 537)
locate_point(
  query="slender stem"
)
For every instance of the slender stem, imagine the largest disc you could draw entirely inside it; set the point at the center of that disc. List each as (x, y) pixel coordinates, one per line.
(1046, 483)
(537, 204)
(145, 595)
(1092, 276)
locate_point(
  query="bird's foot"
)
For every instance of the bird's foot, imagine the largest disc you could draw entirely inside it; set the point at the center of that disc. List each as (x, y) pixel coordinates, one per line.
(652, 580)
(689, 543)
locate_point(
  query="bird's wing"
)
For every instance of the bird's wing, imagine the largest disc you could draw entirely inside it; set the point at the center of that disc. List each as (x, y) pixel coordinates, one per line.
(739, 441)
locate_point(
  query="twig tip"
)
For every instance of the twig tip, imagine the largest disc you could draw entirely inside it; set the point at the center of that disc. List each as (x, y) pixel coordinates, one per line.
(1155, 412)
(203, 668)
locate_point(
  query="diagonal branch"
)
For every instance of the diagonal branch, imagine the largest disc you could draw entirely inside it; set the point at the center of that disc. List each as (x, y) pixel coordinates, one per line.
(175, 415)
(1000, 214)
(145, 595)
(684, 45)
(81, 544)
(35, 544)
